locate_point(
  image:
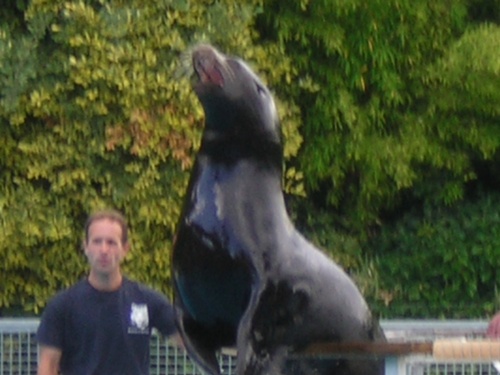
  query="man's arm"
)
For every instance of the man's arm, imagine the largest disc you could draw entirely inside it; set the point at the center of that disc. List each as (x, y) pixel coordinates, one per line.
(494, 327)
(48, 360)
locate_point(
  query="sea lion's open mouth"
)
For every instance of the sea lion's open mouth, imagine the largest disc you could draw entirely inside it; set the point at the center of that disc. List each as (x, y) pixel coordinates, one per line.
(206, 65)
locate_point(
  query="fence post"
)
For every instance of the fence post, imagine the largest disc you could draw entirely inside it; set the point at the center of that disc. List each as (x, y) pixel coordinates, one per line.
(392, 366)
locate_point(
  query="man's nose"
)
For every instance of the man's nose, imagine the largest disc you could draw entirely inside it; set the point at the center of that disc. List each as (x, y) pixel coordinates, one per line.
(104, 248)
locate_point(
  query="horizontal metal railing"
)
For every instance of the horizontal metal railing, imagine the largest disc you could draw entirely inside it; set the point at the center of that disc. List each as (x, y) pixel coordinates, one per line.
(413, 348)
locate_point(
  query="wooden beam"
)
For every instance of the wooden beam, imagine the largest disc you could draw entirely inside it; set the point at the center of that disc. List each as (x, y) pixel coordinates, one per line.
(378, 348)
(439, 349)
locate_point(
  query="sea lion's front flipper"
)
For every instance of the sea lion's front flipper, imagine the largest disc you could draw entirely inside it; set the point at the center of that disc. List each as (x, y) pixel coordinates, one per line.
(253, 358)
(266, 332)
(202, 352)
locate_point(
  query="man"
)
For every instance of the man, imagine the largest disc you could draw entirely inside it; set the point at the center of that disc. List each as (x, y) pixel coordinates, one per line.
(102, 324)
(493, 331)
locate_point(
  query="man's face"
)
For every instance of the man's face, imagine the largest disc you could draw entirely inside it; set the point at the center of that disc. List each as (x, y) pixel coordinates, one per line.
(104, 248)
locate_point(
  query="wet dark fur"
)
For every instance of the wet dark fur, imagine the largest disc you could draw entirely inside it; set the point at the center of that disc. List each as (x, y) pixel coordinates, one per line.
(243, 275)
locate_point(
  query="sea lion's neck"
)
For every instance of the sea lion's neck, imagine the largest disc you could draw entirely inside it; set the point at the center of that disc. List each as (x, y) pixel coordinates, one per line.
(231, 150)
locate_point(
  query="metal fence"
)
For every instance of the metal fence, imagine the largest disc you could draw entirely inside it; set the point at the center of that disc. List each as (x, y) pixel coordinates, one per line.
(19, 354)
(427, 367)
(18, 350)
(430, 331)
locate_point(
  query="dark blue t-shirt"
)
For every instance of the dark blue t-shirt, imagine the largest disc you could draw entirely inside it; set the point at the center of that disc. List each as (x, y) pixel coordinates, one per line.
(105, 332)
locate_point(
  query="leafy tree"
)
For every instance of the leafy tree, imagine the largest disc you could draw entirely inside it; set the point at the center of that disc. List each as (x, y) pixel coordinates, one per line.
(383, 102)
(442, 262)
(399, 106)
(96, 110)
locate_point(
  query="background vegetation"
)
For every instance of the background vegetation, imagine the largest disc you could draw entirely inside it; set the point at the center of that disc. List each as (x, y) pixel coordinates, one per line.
(390, 111)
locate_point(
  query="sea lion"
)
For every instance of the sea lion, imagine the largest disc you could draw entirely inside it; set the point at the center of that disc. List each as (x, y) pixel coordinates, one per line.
(243, 275)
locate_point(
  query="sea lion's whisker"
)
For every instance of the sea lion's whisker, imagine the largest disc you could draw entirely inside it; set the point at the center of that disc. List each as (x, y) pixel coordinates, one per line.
(184, 69)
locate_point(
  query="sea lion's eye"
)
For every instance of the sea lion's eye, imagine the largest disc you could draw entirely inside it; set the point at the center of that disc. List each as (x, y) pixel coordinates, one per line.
(260, 89)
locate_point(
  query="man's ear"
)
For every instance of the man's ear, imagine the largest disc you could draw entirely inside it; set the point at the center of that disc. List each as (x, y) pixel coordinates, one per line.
(84, 247)
(126, 247)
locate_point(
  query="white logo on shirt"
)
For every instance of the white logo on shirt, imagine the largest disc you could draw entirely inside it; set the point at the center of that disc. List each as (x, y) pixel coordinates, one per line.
(139, 318)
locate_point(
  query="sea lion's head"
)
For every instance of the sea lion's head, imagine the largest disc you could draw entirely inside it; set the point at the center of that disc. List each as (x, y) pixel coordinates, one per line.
(235, 101)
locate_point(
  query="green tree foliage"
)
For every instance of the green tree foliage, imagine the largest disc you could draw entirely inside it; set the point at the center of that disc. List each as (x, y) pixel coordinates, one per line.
(400, 105)
(463, 114)
(442, 262)
(96, 110)
(394, 94)
(344, 248)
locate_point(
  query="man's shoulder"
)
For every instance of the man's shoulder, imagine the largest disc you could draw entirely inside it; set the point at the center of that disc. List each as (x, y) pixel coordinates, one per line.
(74, 291)
(142, 290)
(55, 314)
(136, 287)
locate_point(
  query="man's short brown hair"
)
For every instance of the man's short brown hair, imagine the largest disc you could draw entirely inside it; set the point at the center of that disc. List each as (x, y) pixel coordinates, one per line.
(112, 215)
